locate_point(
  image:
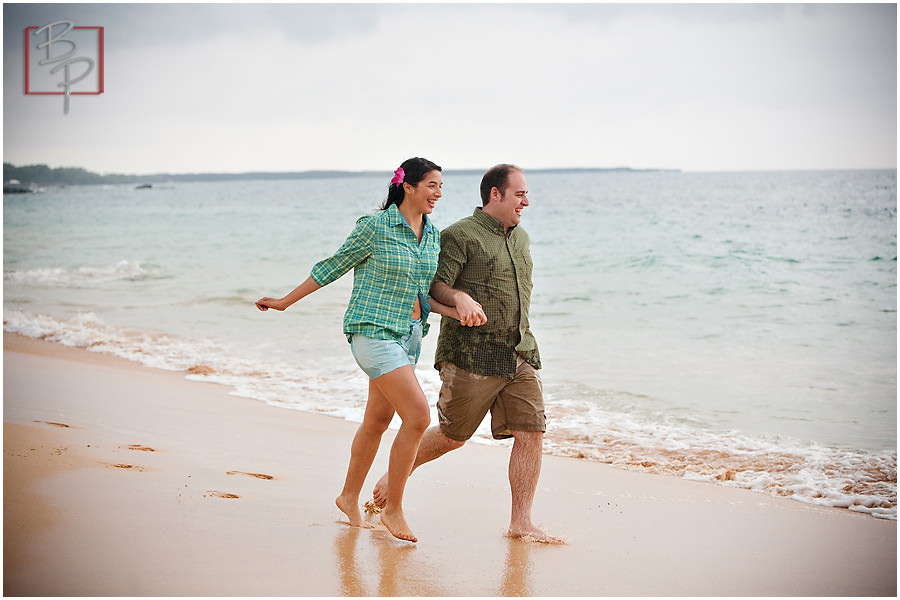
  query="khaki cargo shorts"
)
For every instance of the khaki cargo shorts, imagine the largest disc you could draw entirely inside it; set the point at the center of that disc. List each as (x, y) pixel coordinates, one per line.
(466, 398)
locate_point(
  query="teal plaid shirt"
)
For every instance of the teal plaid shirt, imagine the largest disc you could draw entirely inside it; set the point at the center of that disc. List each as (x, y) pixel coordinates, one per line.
(391, 268)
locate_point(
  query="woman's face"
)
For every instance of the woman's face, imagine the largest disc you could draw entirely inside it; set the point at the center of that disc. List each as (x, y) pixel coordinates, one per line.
(425, 194)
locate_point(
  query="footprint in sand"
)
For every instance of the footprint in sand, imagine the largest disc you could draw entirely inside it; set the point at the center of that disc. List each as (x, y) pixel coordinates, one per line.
(257, 475)
(139, 447)
(126, 467)
(218, 494)
(54, 424)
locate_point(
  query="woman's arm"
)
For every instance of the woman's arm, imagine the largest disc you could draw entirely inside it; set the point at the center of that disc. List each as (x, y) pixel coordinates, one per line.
(468, 312)
(442, 309)
(304, 289)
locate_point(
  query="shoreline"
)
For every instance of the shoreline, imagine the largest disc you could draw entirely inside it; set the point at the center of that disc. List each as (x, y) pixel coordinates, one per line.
(158, 485)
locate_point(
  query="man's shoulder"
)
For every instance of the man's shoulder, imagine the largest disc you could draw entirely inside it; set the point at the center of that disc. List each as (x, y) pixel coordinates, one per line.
(465, 227)
(464, 223)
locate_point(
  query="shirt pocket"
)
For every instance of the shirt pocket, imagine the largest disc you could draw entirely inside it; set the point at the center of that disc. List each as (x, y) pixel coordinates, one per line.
(393, 264)
(524, 264)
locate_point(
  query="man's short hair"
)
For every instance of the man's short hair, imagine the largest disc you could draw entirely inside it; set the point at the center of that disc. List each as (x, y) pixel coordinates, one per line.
(496, 177)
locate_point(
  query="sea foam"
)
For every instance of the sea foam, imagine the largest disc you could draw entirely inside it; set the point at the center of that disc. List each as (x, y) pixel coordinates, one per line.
(857, 480)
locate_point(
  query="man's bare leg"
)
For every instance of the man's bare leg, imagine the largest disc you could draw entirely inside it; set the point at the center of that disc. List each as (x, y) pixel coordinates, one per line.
(434, 444)
(524, 471)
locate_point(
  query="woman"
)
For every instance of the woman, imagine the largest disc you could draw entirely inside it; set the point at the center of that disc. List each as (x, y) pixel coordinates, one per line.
(394, 255)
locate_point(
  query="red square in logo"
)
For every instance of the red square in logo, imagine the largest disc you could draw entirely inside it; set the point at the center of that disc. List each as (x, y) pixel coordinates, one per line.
(61, 59)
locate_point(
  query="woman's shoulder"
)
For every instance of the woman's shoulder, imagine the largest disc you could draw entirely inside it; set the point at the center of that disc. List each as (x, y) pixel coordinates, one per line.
(369, 220)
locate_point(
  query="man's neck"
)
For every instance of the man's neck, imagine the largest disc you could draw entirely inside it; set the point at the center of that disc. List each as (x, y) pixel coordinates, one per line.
(488, 211)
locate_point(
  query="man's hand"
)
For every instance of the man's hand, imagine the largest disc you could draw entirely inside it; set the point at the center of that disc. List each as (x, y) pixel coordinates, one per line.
(471, 314)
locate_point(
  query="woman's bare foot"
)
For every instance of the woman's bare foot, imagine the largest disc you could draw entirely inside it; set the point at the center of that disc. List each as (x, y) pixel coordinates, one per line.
(530, 533)
(396, 524)
(379, 494)
(350, 508)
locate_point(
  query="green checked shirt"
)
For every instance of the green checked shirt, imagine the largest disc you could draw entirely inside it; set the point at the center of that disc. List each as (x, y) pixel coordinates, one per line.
(391, 268)
(478, 257)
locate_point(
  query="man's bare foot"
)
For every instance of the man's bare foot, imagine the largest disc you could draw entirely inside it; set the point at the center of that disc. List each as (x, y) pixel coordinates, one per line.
(396, 524)
(379, 494)
(531, 533)
(350, 508)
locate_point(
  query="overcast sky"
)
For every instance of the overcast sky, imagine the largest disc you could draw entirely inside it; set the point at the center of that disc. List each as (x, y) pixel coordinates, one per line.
(295, 87)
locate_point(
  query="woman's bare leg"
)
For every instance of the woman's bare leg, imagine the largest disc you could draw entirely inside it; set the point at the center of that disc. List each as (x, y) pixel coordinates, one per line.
(402, 390)
(378, 415)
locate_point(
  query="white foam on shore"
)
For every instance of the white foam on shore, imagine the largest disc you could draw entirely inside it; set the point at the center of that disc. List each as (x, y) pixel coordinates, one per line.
(83, 276)
(853, 479)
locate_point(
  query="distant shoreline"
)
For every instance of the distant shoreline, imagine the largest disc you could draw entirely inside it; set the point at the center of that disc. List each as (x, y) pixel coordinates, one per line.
(42, 175)
(30, 178)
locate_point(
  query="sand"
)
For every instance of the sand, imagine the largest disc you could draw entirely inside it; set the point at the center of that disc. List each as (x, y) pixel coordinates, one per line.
(123, 480)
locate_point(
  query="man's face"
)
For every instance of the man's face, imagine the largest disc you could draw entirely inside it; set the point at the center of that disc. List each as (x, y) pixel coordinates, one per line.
(513, 200)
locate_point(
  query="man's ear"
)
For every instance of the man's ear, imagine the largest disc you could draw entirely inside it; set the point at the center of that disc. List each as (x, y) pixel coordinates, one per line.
(495, 195)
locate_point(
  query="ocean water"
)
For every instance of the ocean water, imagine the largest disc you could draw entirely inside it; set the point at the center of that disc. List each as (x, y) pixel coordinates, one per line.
(735, 328)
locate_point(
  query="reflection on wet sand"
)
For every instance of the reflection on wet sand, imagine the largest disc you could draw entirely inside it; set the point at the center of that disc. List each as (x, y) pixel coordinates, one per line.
(364, 555)
(345, 548)
(517, 574)
(373, 563)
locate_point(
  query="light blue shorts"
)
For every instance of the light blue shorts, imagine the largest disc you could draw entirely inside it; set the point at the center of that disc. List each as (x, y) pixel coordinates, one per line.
(377, 357)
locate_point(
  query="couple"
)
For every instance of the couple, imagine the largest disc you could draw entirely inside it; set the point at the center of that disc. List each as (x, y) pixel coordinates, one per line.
(477, 275)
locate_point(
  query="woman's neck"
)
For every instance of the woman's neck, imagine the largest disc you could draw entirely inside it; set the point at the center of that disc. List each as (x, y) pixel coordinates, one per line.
(414, 219)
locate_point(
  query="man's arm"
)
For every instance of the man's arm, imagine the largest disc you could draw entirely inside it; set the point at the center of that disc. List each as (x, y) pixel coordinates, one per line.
(470, 312)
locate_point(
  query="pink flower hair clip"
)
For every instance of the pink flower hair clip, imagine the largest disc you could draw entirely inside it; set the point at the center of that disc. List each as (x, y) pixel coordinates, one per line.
(399, 176)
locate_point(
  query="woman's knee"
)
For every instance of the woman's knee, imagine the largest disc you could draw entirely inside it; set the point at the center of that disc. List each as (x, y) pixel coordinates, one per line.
(418, 418)
(376, 425)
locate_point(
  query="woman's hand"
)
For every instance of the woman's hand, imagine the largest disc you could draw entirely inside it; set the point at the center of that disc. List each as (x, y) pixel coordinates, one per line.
(476, 317)
(468, 312)
(267, 303)
(304, 289)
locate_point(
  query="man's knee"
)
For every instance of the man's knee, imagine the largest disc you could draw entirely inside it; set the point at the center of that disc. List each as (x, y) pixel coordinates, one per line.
(449, 443)
(455, 444)
(528, 437)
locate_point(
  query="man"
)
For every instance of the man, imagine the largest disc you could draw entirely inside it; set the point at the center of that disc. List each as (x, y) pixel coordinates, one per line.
(488, 360)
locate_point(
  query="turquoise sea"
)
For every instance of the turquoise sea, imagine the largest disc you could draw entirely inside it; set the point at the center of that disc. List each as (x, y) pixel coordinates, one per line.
(735, 328)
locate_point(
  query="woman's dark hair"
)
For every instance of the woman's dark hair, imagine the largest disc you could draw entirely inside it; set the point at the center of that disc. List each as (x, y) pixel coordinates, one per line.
(496, 177)
(414, 171)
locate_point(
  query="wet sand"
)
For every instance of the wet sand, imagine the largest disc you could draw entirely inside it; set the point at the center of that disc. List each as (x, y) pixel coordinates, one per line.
(123, 480)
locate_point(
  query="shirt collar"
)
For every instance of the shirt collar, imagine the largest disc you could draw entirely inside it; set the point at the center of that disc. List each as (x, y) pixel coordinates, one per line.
(490, 222)
(397, 218)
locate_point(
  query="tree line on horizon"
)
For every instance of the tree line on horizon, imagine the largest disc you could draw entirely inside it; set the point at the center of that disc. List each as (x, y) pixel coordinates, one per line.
(43, 175)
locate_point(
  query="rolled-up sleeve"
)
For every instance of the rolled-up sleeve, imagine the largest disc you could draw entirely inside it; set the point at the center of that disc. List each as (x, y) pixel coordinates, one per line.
(355, 249)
